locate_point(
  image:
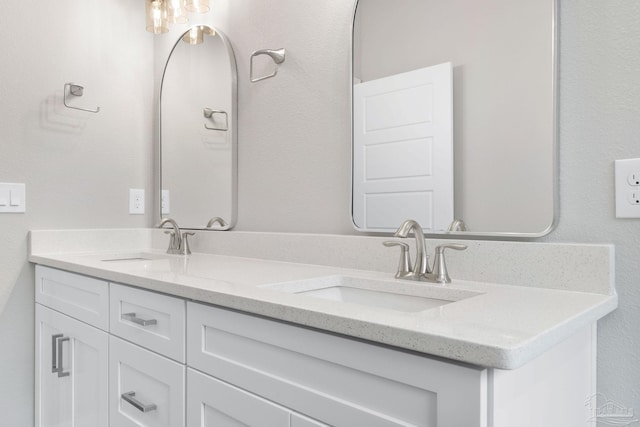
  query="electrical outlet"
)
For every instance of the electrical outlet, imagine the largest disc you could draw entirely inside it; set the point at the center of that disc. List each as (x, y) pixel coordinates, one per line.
(634, 179)
(627, 182)
(136, 201)
(165, 204)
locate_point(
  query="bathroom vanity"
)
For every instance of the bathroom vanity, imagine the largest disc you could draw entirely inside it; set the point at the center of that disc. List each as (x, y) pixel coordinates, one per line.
(128, 337)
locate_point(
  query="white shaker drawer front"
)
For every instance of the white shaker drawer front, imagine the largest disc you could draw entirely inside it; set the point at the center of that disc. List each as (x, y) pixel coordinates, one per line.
(335, 380)
(213, 403)
(145, 389)
(78, 296)
(151, 320)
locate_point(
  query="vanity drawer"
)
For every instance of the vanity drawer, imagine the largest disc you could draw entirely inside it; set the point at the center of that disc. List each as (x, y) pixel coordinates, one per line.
(215, 403)
(152, 320)
(331, 379)
(80, 297)
(145, 389)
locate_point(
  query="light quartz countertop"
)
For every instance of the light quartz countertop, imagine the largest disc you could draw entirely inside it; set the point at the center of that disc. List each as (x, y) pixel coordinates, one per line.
(501, 326)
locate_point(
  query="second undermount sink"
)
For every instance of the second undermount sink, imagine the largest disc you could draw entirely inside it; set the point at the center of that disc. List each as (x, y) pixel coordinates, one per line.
(371, 298)
(394, 295)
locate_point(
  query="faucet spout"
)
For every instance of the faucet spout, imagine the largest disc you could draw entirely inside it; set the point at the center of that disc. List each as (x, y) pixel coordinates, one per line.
(421, 266)
(175, 244)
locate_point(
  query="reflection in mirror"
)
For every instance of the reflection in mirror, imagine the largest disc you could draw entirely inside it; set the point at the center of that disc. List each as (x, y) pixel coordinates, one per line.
(198, 152)
(454, 116)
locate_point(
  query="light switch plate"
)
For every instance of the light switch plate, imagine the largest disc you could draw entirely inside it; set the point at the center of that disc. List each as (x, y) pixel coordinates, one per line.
(627, 191)
(165, 203)
(12, 198)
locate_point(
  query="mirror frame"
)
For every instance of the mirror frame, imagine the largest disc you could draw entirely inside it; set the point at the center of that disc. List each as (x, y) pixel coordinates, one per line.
(487, 235)
(231, 222)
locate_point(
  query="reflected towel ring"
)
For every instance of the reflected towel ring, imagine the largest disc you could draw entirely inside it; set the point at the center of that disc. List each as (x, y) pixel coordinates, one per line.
(278, 56)
(208, 114)
(76, 90)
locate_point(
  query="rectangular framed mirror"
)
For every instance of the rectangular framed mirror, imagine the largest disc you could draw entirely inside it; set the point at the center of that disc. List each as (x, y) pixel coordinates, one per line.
(454, 116)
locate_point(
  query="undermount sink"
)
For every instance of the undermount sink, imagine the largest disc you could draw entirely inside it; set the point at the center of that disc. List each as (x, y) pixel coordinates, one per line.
(394, 295)
(139, 256)
(389, 300)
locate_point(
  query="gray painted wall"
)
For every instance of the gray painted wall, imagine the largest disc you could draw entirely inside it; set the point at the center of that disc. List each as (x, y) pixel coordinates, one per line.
(600, 122)
(78, 167)
(293, 141)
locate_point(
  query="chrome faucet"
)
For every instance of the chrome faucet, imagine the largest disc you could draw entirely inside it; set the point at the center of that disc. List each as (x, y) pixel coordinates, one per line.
(421, 270)
(175, 242)
(421, 266)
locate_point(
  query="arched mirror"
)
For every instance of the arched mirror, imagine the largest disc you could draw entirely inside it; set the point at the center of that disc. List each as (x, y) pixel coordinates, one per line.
(454, 116)
(198, 138)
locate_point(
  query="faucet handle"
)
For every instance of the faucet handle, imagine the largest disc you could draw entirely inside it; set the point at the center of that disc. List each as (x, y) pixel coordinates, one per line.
(404, 266)
(440, 273)
(173, 245)
(185, 249)
(456, 246)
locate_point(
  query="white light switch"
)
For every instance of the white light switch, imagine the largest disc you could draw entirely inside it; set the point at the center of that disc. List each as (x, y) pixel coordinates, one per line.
(12, 198)
(628, 188)
(15, 198)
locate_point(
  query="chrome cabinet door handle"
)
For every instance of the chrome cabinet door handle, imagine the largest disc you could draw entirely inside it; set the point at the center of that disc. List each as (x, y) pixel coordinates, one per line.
(131, 317)
(130, 398)
(57, 355)
(54, 352)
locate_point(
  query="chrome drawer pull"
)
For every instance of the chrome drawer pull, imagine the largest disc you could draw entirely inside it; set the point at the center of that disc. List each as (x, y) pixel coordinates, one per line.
(130, 397)
(131, 317)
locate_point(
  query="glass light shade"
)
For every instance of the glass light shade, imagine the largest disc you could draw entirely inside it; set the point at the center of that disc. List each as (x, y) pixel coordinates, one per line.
(156, 11)
(194, 36)
(197, 6)
(176, 11)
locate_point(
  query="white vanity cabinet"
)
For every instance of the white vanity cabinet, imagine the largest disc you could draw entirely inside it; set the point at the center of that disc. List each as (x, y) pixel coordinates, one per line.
(163, 361)
(71, 366)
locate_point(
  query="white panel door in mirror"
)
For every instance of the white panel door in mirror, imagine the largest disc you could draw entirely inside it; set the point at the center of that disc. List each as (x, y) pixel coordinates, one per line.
(403, 150)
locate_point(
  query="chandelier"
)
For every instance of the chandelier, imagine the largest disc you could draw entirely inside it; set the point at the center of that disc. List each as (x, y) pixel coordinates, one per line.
(161, 13)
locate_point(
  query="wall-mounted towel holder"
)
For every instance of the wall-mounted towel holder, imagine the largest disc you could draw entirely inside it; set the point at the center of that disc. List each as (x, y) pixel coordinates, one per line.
(209, 112)
(76, 90)
(277, 55)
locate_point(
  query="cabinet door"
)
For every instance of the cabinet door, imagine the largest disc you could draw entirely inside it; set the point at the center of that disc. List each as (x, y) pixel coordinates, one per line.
(146, 389)
(213, 403)
(71, 372)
